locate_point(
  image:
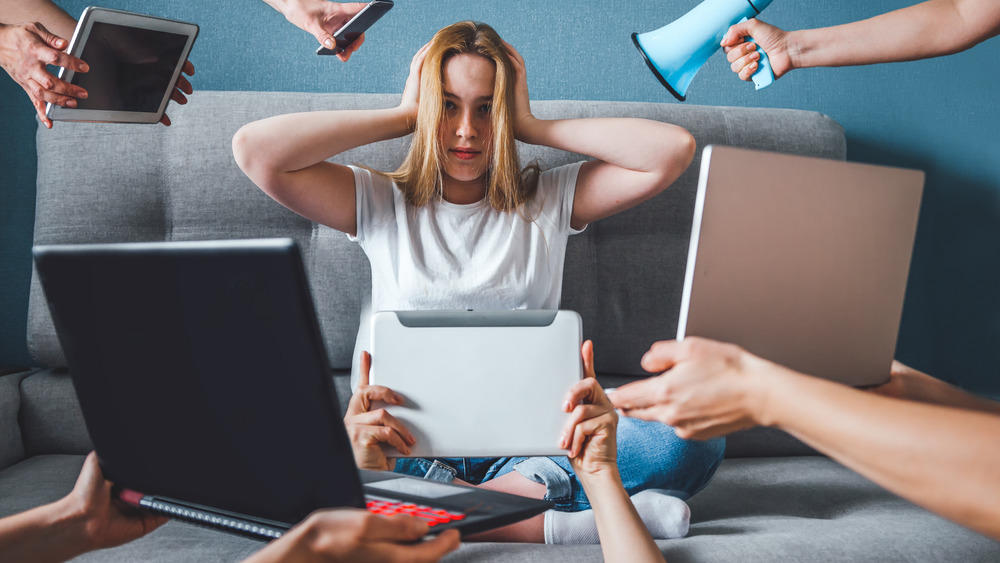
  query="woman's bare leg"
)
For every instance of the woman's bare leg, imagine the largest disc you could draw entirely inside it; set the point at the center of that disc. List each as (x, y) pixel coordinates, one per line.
(531, 530)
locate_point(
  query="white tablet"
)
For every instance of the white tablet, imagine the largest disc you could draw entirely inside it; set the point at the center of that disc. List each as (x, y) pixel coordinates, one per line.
(134, 63)
(478, 383)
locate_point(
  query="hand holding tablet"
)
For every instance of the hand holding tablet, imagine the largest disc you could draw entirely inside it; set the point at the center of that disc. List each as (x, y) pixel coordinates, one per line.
(135, 67)
(25, 50)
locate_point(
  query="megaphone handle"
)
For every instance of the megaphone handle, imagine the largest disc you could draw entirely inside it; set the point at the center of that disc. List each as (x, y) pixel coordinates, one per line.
(764, 75)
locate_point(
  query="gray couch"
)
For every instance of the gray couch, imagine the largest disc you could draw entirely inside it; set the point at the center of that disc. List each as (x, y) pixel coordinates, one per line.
(773, 498)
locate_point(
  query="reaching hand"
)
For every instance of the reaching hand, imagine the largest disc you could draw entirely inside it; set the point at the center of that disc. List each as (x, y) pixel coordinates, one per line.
(322, 18)
(24, 51)
(358, 536)
(523, 118)
(108, 522)
(182, 87)
(707, 388)
(369, 429)
(743, 55)
(589, 434)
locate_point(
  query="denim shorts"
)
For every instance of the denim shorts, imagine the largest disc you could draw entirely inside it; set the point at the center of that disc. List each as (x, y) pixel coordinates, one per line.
(650, 456)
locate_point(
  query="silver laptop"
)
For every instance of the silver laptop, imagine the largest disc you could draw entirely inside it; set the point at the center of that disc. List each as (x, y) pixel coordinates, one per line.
(479, 383)
(802, 261)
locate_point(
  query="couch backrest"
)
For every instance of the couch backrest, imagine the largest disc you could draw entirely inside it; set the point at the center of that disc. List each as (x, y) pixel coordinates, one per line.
(624, 274)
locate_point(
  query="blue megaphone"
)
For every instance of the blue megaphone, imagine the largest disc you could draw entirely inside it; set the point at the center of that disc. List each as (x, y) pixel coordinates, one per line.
(676, 51)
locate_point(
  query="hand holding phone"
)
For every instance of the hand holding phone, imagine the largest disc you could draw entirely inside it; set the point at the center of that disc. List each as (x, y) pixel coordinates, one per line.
(357, 26)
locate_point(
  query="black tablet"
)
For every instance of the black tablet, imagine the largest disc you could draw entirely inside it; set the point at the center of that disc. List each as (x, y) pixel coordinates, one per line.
(134, 63)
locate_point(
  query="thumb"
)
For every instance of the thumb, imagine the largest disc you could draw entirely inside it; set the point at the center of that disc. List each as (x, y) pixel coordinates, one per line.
(587, 351)
(325, 39)
(734, 36)
(51, 39)
(366, 366)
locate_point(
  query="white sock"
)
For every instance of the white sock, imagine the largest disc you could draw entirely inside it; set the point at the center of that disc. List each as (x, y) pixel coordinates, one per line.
(666, 517)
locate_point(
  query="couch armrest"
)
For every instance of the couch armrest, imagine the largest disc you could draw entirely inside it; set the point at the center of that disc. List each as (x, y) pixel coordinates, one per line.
(11, 441)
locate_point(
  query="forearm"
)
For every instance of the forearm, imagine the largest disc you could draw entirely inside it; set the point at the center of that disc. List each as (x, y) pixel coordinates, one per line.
(918, 386)
(641, 145)
(288, 143)
(941, 458)
(929, 29)
(48, 14)
(623, 535)
(291, 9)
(52, 532)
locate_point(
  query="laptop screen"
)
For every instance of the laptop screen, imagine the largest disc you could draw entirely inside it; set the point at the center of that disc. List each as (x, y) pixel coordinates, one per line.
(197, 367)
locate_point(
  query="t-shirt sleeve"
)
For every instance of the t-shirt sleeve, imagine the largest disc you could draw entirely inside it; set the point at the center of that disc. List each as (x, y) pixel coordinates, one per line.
(374, 200)
(557, 191)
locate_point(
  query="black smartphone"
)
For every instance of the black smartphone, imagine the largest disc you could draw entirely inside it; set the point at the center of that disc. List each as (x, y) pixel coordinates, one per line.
(357, 25)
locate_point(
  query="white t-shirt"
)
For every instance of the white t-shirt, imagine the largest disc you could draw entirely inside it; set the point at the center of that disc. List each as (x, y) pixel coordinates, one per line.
(448, 256)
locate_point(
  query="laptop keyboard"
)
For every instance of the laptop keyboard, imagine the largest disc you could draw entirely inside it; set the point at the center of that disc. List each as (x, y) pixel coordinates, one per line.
(433, 516)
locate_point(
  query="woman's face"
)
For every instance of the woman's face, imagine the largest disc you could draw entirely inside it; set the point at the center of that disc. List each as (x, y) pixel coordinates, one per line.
(466, 128)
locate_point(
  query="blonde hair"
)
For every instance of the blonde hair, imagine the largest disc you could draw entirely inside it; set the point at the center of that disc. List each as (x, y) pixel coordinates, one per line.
(421, 176)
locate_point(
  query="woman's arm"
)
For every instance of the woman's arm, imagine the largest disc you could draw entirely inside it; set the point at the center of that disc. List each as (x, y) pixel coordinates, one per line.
(942, 458)
(636, 158)
(86, 519)
(589, 436)
(908, 383)
(928, 29)
(44, 12)
(286, 155)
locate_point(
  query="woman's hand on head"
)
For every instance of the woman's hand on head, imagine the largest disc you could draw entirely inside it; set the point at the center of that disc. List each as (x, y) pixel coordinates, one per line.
(589, 434)
(523, 118)
(411, 91)
(368, 429)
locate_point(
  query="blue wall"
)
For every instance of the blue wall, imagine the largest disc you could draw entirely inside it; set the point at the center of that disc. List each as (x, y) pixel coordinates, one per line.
(941, 116)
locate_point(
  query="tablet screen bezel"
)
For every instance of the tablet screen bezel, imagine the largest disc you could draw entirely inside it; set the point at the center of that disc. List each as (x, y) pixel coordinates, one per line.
(92, 15)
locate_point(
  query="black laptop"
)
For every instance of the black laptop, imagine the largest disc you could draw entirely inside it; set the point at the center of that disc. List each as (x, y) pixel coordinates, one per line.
(207, 392)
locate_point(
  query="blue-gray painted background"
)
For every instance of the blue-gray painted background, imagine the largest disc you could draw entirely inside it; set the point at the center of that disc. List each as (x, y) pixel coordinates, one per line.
(941, 116)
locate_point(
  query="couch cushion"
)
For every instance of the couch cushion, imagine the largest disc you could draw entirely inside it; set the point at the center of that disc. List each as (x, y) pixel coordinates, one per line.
(796, 509)
(12, 449)
(104, 183)
(51, 421)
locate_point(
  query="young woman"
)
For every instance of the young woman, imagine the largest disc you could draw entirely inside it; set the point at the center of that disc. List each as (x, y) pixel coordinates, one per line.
(461, 225)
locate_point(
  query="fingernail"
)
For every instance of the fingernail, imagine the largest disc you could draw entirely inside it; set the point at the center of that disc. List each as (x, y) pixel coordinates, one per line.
(562, 442)
(84, 67)
(567, 406)
(752, 46)
(83, 95)
(71, 104)
(328, 43)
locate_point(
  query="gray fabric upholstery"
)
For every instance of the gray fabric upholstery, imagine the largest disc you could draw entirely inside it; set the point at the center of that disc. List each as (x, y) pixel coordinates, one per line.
(775, 509)
(53, 423)
(624, 274)
(50, 415)
(100, 183)
(11, 443)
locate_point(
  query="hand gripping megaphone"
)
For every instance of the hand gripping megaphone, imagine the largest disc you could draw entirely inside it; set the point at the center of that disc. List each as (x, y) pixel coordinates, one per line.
(676, 51)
